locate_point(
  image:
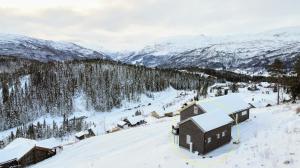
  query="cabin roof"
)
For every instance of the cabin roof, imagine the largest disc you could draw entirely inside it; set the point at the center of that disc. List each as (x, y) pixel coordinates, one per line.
(209, 121)
(228, 104)
(16, 149)
(94, 129)
(49, 143)
(82, 133)
(21, 146)
(121, 123)
(134, 120)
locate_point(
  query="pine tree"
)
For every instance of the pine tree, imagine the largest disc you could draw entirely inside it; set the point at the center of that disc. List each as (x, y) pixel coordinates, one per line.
(5, 91)
(277, 70)
(295, 81)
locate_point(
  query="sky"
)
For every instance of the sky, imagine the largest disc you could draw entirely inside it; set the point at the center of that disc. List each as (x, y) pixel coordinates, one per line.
(131, 24)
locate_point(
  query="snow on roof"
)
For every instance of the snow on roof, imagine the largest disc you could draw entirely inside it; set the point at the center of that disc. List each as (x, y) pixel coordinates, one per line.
(134, 120)
(265, 84)
(81, 133)
(49, 143)
(228, 104)
(16, 149)
(211, 120)
(121, 123)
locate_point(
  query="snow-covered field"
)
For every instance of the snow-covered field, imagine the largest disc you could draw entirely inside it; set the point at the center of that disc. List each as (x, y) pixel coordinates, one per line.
(270, 138)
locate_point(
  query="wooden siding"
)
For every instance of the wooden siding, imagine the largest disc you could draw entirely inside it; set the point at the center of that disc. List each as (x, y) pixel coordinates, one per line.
(241, 118)
(189, 112)
(36, 155)
(215, 141)
(197, 136)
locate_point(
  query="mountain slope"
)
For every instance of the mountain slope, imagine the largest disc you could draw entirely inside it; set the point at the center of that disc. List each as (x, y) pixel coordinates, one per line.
(44, 50)
(230, 52)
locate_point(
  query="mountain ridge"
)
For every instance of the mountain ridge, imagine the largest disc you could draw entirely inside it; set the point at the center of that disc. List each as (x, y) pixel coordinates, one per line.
(249, 52)
(44, 50)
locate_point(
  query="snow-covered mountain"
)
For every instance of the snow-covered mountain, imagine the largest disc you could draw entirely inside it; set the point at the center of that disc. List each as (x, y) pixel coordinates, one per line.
(44, 50)
(247, 52)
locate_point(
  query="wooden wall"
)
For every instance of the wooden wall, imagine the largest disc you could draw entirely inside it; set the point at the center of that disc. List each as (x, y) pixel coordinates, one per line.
(189, 112)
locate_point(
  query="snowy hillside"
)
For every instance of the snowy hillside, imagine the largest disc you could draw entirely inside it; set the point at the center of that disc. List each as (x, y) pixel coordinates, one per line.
(152, 145)
(162, 102)
(43, 50)
(231, 52)
(262, 145)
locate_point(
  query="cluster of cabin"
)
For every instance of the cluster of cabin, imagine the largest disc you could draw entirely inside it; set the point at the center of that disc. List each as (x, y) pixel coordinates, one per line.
(24, 152)
(131, 121)
(86, 133)
(206, 125)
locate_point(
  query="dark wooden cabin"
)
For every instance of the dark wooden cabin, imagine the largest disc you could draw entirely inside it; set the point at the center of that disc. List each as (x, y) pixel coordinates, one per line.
(190, 110)
(231, 104)
(23, 152)
(205, 132)
(36, 155)
(85, 134)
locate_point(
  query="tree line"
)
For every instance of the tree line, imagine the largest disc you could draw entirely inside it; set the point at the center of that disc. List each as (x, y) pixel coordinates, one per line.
(50, 88)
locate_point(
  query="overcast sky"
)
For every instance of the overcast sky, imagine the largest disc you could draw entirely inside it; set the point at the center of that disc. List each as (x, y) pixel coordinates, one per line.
(130, 24)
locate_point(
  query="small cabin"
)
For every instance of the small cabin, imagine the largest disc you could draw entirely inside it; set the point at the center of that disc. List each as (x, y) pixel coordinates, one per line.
(23, 152)
(206, 132)
(85, 134)
(156, 115)
(122, 124)
(113, 129)
(134, 121)
(169, 114)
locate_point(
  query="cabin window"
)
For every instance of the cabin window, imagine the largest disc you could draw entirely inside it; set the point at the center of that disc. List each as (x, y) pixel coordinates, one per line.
(208, 140)
(244, 113)
(218, 136)
(195, 110)
(188, 139)
(223, 133)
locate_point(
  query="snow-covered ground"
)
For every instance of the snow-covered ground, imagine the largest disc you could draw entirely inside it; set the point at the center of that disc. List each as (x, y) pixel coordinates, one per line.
(270, 138)
(169, 100)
